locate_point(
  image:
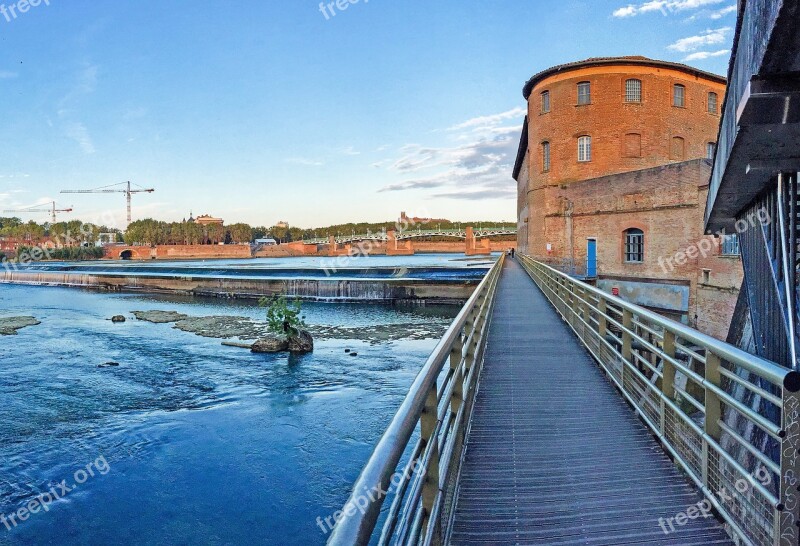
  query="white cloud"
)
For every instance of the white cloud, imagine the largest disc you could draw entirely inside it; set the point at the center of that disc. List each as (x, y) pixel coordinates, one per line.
(701, 55)
(663, 6)
(719, 14)
(74, 128)
(628, 11)
(477, 167)
(490, 121)
(707, 38)
(79, 133)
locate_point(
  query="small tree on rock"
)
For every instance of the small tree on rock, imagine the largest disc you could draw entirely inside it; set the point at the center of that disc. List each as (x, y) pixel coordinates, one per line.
(283, 317)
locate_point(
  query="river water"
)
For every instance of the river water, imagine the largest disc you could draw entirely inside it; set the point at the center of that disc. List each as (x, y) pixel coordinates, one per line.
(187, 441)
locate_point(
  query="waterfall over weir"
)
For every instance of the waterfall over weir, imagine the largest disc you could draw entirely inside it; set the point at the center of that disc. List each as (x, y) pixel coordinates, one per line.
(451, 282)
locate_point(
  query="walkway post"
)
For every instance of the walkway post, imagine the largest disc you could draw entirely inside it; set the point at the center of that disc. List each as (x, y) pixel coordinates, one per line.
(627, 337)
(667, 375)
(602, 320)
(713, 409)
(787, 531)
(456, 354)
(428, 423)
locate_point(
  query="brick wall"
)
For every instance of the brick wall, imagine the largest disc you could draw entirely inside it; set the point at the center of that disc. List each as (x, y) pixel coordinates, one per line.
(666, 204)
(166, 252)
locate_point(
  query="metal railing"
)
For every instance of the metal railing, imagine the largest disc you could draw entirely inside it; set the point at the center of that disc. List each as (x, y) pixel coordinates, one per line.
(435, 413)
(731, 420)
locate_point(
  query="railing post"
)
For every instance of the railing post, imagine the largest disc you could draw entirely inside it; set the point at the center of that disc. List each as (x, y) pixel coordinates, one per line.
(667, 375)
(713, 409)
(627, 337)
(786, 519)
(627, 344)
(457, 368)
(576, 306)
(428, 422)
(602, 321)
(586, 307)
(668, 370)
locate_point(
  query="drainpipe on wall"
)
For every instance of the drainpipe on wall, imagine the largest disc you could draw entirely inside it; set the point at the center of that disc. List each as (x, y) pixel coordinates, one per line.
(570, 235)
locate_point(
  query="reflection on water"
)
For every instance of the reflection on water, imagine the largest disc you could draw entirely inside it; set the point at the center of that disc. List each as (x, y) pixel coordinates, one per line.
(207, 444)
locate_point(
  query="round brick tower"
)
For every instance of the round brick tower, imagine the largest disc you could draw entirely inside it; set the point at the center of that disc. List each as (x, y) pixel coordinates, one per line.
(607, 116)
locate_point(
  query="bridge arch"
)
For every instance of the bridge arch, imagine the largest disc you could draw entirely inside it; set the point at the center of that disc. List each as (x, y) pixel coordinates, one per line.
(126, 254)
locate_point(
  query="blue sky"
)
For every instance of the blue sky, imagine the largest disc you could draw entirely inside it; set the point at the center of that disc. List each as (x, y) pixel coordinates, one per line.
(260, 111)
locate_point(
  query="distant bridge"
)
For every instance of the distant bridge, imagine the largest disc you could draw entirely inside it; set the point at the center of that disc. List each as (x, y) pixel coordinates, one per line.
(383, 236)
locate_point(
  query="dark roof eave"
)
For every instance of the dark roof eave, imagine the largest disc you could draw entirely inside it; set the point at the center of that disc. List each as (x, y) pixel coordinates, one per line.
(616, 61)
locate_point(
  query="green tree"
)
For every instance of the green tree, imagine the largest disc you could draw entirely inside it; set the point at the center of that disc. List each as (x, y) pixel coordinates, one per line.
(240, 233)
(215, 233)
(283, 317)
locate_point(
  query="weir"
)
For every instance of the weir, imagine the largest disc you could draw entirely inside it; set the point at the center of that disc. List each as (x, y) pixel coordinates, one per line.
(452, 285)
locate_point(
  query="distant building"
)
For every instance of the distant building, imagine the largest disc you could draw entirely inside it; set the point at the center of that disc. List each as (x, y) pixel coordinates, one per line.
(206, 220)
(266, 242)
(613, 171)
(12, 244)
(282, 225)
(405, 219)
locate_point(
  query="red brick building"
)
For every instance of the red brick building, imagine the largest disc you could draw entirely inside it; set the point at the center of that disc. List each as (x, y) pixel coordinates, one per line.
(615, 160)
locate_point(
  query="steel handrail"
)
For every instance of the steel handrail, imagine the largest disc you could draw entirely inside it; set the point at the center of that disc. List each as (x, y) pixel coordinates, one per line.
(764, 368)
(357, 523)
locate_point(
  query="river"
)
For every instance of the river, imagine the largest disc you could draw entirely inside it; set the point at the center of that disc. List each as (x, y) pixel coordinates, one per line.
(187, 441)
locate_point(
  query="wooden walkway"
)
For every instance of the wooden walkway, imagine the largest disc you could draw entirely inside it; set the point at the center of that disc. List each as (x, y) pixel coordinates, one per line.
(554, 455)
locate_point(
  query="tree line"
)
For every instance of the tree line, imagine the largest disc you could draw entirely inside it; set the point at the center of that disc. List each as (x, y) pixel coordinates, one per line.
(155, 232)
(70, 233)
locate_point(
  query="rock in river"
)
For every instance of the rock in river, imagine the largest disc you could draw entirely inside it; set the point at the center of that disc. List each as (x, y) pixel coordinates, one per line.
(270, 344)
(10, 325)
(159, 317)
(118, 318)
(301, 343)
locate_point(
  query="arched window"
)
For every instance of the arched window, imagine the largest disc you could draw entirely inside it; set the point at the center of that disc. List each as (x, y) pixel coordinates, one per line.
(584, 93)
(678, 150)
(545, 102)
(633, 145)
(679, 96)
(712, 103)
(633, 90)
(585, 149)
(545, 156)
(634, 245)
(711, 148)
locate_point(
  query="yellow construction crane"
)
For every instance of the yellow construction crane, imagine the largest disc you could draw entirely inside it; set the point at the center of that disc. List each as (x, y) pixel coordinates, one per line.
(126, 189)
(52, 210)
